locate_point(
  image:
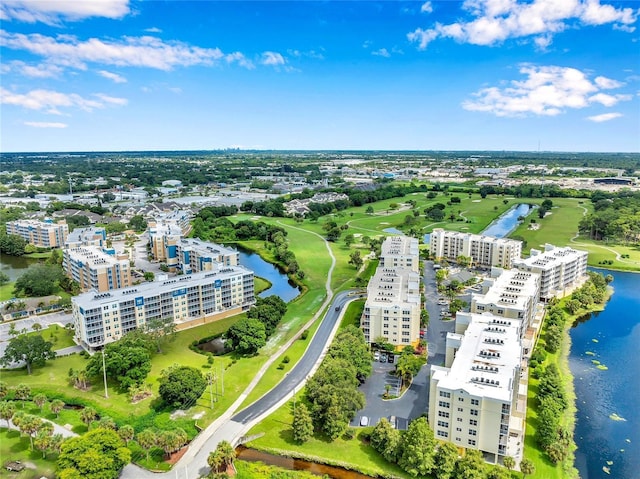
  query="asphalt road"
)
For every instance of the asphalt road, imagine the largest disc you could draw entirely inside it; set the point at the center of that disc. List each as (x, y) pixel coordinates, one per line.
(233, 428)
(44, 320)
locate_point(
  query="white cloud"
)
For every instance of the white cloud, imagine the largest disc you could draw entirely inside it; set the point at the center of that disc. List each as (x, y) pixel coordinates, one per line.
(52, 11)
(153, 30)
(145, 51)
(607, 83)
(546, 91)
(112, 76)
(494, 21)
(43, 70)
(426, 7)
(382, 52)
(272, 59)
(45, 124)
(604, 117)
(50, 101)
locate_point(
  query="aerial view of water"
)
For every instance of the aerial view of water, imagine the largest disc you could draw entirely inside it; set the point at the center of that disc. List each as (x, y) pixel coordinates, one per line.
(280, 284)
(608, 421)
(506, 222)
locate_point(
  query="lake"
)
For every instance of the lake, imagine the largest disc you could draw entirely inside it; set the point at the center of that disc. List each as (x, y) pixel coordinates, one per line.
(280, 284)
(608, 420)
(507, 222)
(14, 266)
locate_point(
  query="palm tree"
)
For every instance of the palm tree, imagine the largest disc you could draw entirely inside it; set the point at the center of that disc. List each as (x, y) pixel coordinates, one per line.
(56, 406)
(147, 439)
(527, 467)
(223, 456)
(126, 432)
(4, 389)
(40, 400)
(22, 392)
(7, 410)
(87, 415)
(509, 462)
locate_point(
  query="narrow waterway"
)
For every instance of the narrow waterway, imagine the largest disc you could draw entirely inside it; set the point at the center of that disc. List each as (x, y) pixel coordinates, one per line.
(280, 284)
(252, 455)
(605, 362)
(507, 222)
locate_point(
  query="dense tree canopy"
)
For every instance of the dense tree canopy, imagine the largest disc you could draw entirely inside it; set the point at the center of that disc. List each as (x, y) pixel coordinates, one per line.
(99, 454)
(247, 336)
(182, 387)
(39, 280)
(33, 350)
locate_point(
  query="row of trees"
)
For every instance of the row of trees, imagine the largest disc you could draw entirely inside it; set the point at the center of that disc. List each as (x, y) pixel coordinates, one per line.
(614, 217)
(418, 453)
(332, 393)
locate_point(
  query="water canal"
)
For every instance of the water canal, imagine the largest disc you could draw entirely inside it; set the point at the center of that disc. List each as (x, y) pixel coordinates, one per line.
(608, 420)
(507, 222)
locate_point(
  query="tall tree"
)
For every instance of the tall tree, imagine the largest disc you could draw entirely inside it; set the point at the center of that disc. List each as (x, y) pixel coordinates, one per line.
(386, 440)
(509, 462)
(40, 400)
(88, 415)
(247, 336)
(33, 350)
(182, 387)
(4, 390)
(444, 460)
(417, 448)
(7, 410)
(146, 439)
(222, 457)
(470, 466)
(126, 432)
(527, 467)
(39, 280)
(302, 424)
(22, 393)
(56, 406)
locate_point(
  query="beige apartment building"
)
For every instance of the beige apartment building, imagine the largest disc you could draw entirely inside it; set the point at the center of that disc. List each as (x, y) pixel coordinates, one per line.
(101, 318)
(163, 240)
(400, 251)
(511, 294)
(90, 236)
(392, 309)
(43, 234)
(95, 269)
(561, 270)
(484, 251)
(474, 400)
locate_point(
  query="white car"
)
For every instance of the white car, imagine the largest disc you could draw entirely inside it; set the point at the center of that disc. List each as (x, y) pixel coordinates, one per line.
(364, 421)
(376, 355)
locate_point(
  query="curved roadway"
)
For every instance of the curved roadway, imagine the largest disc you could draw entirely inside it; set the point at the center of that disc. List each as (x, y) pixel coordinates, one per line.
(231, 428)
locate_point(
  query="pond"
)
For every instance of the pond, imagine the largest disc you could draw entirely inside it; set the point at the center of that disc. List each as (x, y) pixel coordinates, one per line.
(251, 455)
(280, 284)
(14, 266)
(507, 222)
(394, 231)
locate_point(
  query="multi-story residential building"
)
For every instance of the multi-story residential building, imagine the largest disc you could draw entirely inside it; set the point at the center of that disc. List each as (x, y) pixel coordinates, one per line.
(475, 400)
(561, 270)
(92, 236)
(393, 305)
(483, 250)
(43, 234)
(195, 255)
(511, 294)
(400, 251)
(177, 218)
(164, 239)
(101, 318)
(96, 268)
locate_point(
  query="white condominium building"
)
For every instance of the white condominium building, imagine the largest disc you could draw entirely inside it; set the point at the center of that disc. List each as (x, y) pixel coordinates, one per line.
(101, 318)
(511, 294)
(43, 234)
(195, 255)
(91, 236)
(560, 269)
(392, 309)
(483, 250)
(96, 268)
(400, 251)
(474, 400)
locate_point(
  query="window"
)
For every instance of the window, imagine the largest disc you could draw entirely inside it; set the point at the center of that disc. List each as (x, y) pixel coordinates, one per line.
(460, 409)
(472, 432)
(443, 414)
(472, 442)
(474, 412)
(444, 394)
(475, 402)
(443, 433)
(459, 419)
(443, 424)
(461, 399)
(459, 429)
(473, 422)
(443, 404)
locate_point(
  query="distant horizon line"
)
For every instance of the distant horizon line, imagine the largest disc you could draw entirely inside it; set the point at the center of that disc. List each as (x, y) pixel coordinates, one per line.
(268, 150)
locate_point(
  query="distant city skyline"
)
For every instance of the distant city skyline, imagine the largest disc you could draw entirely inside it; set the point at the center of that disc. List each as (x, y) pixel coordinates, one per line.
(478, 75)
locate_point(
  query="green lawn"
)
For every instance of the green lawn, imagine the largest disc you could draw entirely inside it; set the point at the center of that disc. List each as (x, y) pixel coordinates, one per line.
(60, 337)
(261, 284)
(6, 291)
(16, 448)
(259, 470)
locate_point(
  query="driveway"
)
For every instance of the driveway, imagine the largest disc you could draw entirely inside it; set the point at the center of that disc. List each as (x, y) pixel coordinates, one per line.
(411, 405)
(45, 320)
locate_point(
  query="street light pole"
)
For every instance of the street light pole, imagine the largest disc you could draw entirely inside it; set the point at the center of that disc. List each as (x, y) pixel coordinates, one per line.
(104, 373)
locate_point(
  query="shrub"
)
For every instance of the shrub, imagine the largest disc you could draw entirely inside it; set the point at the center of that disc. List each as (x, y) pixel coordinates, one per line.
(286, 359)
(305, 334)
(280, 366)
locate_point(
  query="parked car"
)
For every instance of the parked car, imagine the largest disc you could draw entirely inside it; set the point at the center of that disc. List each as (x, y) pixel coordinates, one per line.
(383, 358)
(364, 421)
(391, 358)
(392, 421)
(376, 355)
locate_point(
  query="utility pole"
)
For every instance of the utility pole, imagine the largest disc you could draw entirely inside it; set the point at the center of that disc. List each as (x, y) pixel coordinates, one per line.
(222, 378)
(104, 373)
(210, 378)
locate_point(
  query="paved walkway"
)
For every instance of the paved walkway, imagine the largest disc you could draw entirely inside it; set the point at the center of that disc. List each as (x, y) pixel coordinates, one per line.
(194, 462)
(57, 429)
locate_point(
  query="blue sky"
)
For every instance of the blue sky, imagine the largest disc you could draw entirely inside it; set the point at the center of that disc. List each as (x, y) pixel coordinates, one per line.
(98, 75)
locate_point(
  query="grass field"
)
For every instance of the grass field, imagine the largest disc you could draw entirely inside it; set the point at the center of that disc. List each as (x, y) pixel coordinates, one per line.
(6, 291)
(16, 448)
(60, 337)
